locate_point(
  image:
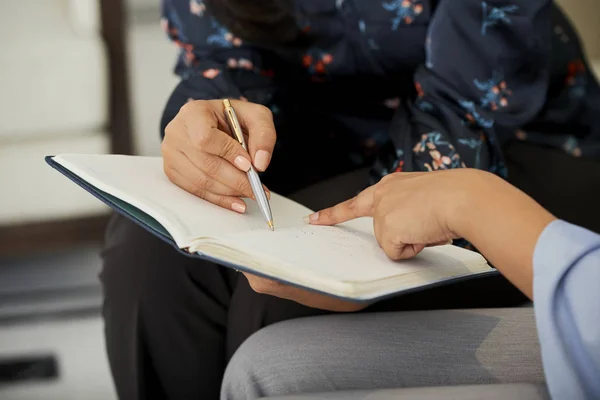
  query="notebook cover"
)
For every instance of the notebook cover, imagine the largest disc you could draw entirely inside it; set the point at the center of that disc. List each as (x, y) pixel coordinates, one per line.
(154, 227)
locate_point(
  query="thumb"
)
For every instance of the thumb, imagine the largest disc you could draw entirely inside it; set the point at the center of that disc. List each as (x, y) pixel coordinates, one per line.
(257, 120)
(356, 207)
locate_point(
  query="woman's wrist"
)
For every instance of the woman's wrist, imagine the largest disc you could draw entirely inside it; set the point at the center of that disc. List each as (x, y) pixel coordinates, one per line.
(470, 205)
(502, 222)
(483, 199)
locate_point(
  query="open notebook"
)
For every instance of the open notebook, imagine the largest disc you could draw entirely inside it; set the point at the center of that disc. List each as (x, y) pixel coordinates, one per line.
(344, 261)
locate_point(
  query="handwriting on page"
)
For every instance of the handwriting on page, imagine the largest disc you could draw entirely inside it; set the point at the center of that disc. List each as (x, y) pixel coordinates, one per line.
(339, 252)
(337, 240)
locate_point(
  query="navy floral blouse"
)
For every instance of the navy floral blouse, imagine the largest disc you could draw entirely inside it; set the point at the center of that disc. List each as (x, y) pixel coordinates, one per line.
(429, 84)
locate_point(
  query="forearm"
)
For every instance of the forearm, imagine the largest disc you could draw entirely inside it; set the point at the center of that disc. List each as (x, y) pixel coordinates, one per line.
(504, 224)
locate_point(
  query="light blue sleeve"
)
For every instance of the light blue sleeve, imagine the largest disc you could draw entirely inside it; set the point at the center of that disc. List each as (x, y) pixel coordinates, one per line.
(566, 291)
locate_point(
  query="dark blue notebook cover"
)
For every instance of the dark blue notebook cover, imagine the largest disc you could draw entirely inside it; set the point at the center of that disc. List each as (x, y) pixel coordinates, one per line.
(151, 225)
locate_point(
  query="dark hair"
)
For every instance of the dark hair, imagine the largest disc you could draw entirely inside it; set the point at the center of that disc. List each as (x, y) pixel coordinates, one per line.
(266, 22)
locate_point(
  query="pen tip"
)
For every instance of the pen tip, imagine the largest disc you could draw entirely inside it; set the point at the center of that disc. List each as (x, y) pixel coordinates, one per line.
(271, 226)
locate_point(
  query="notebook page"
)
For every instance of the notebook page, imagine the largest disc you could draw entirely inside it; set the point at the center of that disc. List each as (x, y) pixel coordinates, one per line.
(347, 253)
(141, 182)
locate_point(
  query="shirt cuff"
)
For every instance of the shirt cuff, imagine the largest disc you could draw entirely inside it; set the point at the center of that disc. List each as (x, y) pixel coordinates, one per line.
(559, 246)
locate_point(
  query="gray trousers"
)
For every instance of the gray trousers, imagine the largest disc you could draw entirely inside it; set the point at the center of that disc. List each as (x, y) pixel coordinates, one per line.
(390, 350)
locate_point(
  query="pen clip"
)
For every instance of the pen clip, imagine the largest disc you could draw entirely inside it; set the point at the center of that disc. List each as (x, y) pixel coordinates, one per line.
(233, 123)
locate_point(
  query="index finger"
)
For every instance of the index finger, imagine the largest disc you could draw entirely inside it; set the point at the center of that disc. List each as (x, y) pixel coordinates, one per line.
(358, 206)
(257, 120)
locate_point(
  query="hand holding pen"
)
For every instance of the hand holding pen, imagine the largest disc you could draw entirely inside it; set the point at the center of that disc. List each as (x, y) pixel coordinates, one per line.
(201, 156)
(255, 183)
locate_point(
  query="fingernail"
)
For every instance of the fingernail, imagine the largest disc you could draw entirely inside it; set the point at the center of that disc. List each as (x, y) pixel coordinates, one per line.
(306, 220)
(242, 163)
(450, 241)
(261, 160)
(314, 217)
(239, 207)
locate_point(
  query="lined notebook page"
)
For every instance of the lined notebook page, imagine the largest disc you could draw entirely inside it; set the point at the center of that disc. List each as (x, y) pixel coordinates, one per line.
(349, 253)
(141, 182)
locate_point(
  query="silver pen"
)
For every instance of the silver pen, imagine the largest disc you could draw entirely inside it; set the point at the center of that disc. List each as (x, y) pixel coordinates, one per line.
(255, 183)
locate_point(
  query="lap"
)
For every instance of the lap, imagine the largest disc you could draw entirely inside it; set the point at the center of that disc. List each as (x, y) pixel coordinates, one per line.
(387, 350)
(146, 273)
(154, 291)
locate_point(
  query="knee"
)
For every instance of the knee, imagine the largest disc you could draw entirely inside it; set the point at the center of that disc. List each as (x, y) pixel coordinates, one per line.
(124, 242)
(133, 261)
(246, 373)
(261, 367)
(131, 253)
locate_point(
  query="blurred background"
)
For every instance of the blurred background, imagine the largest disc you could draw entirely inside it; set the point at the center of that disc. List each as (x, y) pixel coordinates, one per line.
(84, 76)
